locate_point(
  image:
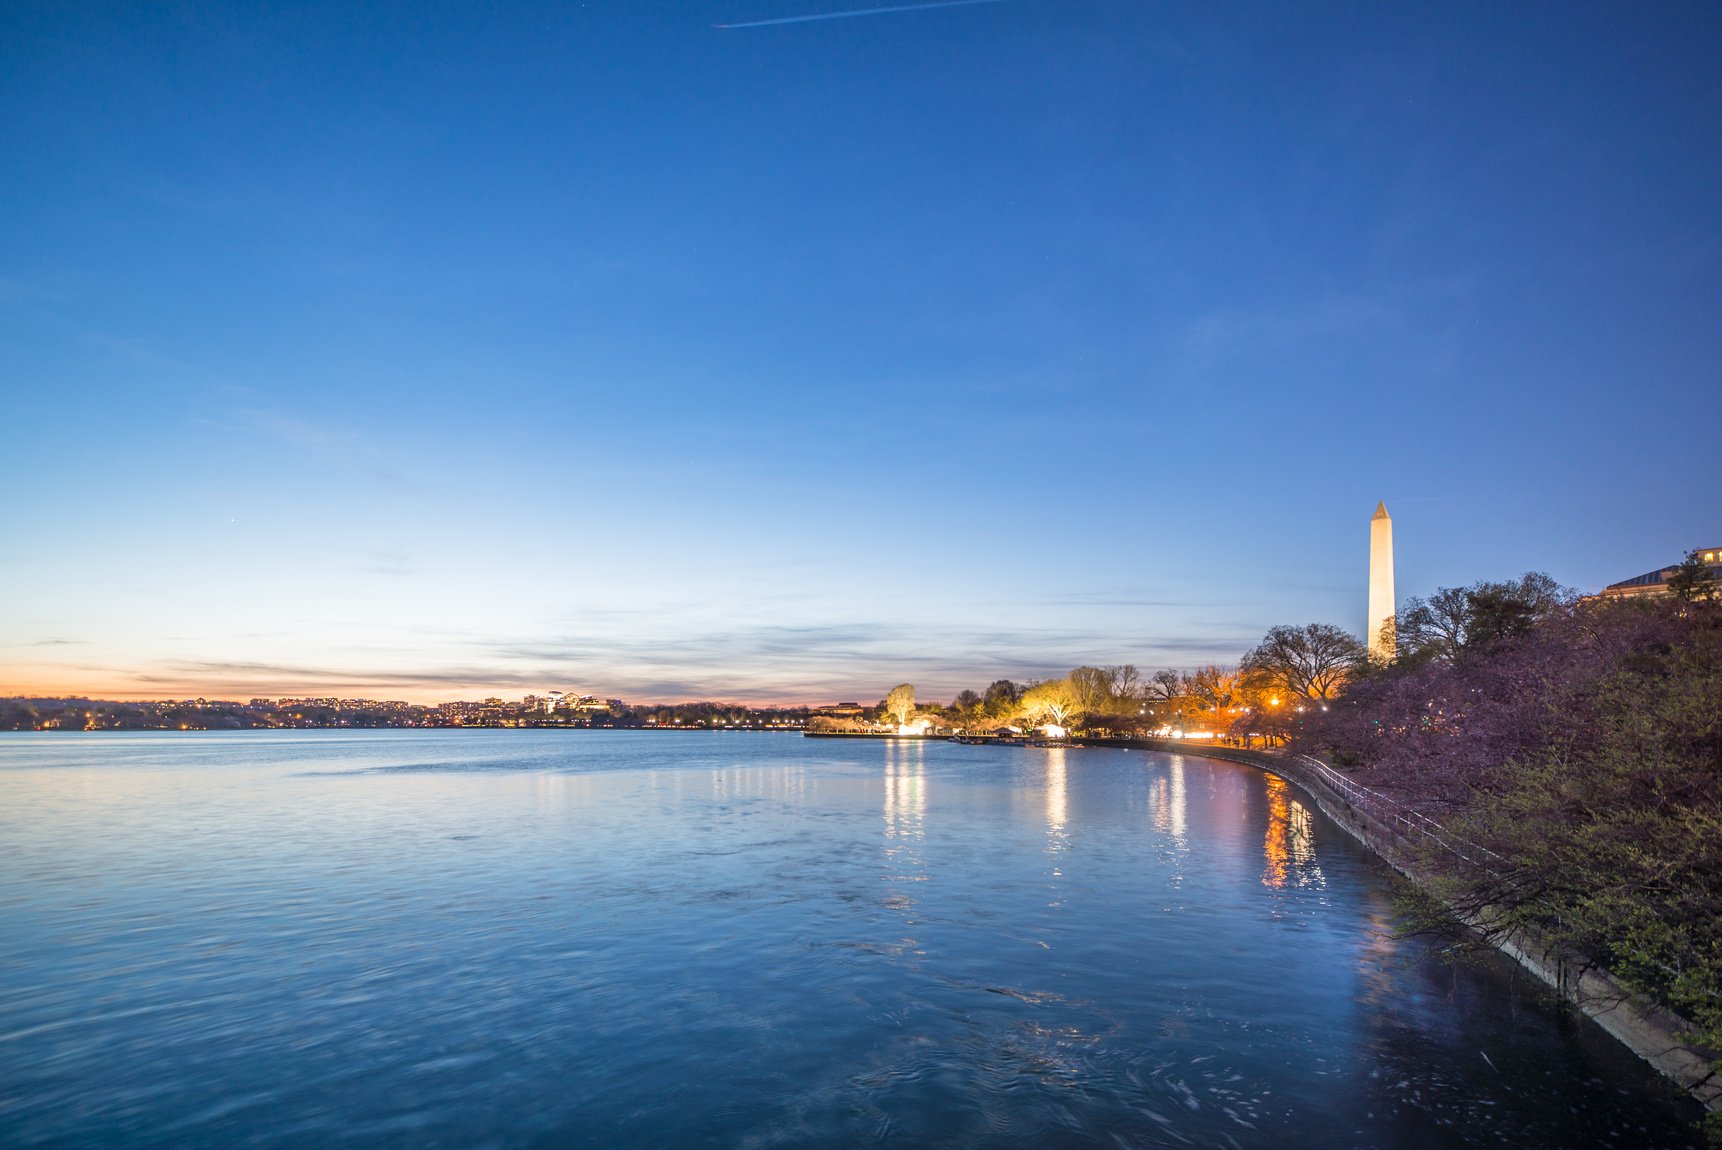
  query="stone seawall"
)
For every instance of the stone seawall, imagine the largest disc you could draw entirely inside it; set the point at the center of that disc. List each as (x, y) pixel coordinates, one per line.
(1651, 1031)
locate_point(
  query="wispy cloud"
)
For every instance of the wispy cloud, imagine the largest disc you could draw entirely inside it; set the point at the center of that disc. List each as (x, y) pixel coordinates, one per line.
(297, 431)
(341, 446)
(796, 661)
(758, 664)
(386, 561)
(854, 12)
(1112, 599)
(140, 351)
(1226, 333)
(18, 292)
(246, 679)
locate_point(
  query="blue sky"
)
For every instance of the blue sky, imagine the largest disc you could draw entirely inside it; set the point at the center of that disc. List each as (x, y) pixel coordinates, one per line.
(425, 351)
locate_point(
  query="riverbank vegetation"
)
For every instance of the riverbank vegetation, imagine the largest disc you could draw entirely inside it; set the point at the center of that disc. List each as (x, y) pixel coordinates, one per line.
(1574, 751)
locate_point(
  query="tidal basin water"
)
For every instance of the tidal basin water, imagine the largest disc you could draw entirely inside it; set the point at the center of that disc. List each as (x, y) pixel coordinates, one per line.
(612, 939)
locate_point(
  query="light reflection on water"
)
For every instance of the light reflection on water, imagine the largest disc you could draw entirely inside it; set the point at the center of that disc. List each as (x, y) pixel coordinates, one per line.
(1167, 802)
(1057, 805)
(905, 830)
(1290, 843)
(581, 938)
(905, 788)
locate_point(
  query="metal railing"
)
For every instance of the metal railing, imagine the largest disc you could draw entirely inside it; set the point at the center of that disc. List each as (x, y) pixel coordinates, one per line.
(1402, 825)
(1398, 819)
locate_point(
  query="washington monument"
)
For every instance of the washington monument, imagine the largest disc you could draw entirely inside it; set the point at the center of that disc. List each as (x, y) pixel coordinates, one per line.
(1380, 634)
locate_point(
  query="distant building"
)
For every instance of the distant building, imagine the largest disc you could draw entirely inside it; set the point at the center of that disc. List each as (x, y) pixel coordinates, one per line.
(1656, 582)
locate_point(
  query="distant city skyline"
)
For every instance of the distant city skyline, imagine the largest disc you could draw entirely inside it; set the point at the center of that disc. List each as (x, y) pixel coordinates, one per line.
(430, 355)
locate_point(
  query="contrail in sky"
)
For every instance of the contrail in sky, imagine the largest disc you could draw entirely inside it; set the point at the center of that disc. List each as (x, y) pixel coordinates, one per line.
(858, 12)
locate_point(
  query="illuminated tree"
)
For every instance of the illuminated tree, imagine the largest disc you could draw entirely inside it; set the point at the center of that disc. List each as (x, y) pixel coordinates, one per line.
(1215, 689)
(1052, 701)
(900, 702)
(1091, 688)
(1309, 662)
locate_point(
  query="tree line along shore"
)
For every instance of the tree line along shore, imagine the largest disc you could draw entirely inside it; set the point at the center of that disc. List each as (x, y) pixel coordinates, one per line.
(83, 714)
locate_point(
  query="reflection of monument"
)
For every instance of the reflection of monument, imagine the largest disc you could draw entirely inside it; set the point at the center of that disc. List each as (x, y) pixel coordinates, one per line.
(1379, 636)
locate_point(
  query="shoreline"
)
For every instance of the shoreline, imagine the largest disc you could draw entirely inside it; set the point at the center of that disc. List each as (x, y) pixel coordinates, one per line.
(1649, 1030)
